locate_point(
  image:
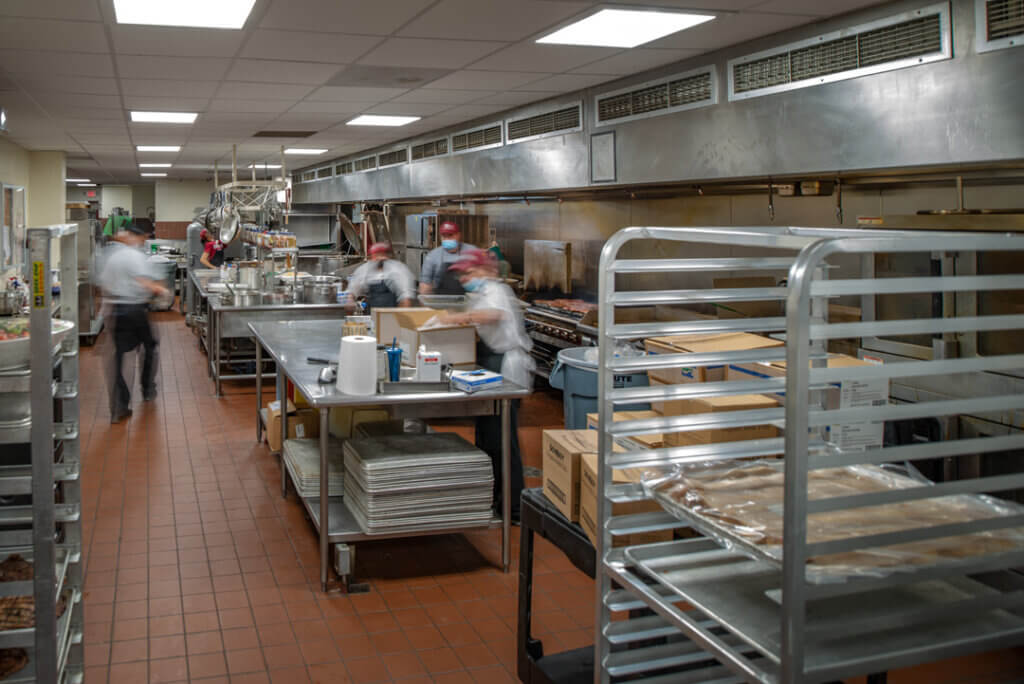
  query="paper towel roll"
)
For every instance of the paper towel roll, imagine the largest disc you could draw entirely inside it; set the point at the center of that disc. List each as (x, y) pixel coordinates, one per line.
(357, 365)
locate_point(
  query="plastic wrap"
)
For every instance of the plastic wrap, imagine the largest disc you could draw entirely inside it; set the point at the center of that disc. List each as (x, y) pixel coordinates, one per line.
(740, 503)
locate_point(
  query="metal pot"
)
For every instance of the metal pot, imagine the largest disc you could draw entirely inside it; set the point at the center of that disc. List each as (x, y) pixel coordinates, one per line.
(241, 297)
(10, 302)
(250, 275)
(279, 295)
(320, 290)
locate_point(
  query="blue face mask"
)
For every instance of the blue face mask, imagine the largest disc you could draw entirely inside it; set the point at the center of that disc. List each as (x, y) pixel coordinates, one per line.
(450, 244)
(473, 284)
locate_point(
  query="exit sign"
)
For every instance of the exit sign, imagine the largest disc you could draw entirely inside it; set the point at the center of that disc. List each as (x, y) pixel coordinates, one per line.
(90, 193)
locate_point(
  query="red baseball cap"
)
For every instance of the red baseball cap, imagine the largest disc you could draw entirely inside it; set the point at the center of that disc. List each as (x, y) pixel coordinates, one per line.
(204, 234)
(449, 228)
(380, 248)
(472, 259)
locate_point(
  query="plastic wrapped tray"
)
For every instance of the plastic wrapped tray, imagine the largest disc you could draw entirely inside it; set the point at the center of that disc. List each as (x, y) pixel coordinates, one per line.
(740, 503)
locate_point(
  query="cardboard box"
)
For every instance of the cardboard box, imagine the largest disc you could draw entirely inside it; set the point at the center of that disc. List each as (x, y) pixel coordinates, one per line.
(697, 344)
(744, 402)
(388, 321)
(561, 467)
(456, 343)
(647, 441)
(665, 408)
(588, 505)
(304, 423)
(345, 419)
(763, 309)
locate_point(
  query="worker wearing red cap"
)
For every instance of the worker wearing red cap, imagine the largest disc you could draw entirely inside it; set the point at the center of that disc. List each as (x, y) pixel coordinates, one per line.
(384, 281)
(435, 277)
(213, 251)
(503, 348)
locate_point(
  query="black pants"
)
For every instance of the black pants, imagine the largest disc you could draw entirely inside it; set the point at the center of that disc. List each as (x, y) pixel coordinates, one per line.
(131, 329)
(488, 435)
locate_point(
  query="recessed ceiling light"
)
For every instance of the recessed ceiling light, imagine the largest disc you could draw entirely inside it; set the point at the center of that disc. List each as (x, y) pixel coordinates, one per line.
(158, 148)
(265, 166)
(222, 14)
(305, 150)
(381, 120)
(154, 166)
(153, 175)
(164, 117)
(87, 185)
(76, 180)
(623, 28)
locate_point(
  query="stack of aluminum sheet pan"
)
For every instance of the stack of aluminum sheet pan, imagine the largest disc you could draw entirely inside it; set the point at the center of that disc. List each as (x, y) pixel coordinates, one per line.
(412, 482)
(383, 428)
(302, 458)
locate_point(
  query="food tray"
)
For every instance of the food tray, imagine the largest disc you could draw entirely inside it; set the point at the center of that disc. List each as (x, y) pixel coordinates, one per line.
(17, 352)
(302, 457)
(383, 428)
(740, 503)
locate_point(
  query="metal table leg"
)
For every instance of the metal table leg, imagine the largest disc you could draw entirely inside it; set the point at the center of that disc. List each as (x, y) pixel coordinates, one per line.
(259, 389)
(283, 403)
(325, 525)
(216, 344)
(506, 482)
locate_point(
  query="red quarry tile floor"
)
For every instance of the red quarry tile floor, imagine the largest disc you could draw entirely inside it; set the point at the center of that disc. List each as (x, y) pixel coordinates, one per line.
(197, 570)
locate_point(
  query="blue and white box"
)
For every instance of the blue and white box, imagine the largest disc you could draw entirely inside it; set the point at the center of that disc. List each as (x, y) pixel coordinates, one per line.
(475, 380)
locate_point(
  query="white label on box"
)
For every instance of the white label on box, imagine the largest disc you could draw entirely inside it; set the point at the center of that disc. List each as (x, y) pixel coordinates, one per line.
(300, 430)
(274, 406)
(860, 394)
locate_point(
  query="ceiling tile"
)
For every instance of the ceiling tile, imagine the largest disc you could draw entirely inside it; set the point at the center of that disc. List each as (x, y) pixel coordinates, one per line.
(551, 58)
(165, 104)
(566, 83)
(635, 60)
(230, 118)
(729, 30)
(56, 63)
(157, 135)
(514, 98)
(101, 139)
(490, 19)
(311, 47)
(313, 107)
(32, 34)
(262, 91)
(304, 121)
(432, 96)
(93, 125)
(57, 99)
(274, 71)
(354, 94)
(423, 52)
(168, 88)
(77, 10)
(192, 68)
(175, 42)
(486, 80)
(79, 112)
(723, 5)
(821, 8)
(377, 18)
(69, 84)
(263, 106)
(407, 108)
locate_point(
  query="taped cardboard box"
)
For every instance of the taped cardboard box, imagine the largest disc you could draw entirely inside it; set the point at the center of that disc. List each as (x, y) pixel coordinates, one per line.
(756, 309)
(561, 467)
(302, 423)
(654, 441)
(588, 505)
(744, 402)
(457, 343)
(388, 321)
(699, 344)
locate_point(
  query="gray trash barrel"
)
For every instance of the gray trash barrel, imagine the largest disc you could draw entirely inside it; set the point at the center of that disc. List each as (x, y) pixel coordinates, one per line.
(165, 271)
(577, 378)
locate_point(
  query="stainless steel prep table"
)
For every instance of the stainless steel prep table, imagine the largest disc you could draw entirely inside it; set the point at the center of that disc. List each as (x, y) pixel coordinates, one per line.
(291, 344)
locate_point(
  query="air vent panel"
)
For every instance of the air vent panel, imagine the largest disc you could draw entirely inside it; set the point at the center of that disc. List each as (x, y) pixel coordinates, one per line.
(557, 121)
(896, 42)
(433, 148)
(307, 176)
(1000, 24)
(654, 98)
(392, 158)
(343, 169)
(324, 173)
(365, 164)
(476, 139)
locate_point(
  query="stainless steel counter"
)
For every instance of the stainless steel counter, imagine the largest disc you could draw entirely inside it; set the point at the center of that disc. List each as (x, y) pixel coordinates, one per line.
(291, 344)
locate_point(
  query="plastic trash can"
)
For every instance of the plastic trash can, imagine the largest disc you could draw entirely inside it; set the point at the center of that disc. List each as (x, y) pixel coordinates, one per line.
(166, 271)
(577, 378)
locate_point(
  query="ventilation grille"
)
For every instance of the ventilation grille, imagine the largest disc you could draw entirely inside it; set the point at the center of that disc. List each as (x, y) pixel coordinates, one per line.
(364, 164)
(1004, 18)
(542, 124)
(482, 137)
(395, 157)
(307, 176)
(663, 97)
(434, 148)
(342, 169)
(325, 173)
(871, 47)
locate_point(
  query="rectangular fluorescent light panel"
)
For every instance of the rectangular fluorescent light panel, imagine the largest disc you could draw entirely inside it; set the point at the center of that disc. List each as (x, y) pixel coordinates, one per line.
(221, 14)
(87, 185)
(381, 120)
(153, 175)
(164, 117)
(76, 180)
(623, 28)
(158, 148)
(264, 166)
(304, 150)
(154, 166)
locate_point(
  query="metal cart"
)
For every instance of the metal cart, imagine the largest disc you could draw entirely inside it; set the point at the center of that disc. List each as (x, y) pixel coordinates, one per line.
(768, 619)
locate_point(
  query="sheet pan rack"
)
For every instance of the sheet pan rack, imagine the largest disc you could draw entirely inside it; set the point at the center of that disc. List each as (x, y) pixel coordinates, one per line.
(770, 618)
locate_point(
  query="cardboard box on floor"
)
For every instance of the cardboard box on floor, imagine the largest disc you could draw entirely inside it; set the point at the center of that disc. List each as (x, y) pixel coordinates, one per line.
(647, 441)
(302, 423)
(745, 402)
(698, 344)
(763, 309)
(561, 467)
(588, 505)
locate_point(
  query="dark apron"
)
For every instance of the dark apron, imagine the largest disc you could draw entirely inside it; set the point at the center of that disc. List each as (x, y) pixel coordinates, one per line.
(218, 258)
(380, 295)
(450, 284)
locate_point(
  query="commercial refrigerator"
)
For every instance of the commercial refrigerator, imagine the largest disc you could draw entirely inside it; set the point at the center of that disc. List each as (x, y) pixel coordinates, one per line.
(90, 318)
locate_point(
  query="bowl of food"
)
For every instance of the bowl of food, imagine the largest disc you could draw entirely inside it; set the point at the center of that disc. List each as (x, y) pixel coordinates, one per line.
(15, 348)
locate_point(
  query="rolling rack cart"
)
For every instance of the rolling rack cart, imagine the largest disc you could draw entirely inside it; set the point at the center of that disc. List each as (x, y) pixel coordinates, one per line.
(42, 522)
(890, 590)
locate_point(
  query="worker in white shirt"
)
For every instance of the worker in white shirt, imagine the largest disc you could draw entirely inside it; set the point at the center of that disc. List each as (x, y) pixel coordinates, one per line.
(384, 281)
(503, 348)
(128, 282)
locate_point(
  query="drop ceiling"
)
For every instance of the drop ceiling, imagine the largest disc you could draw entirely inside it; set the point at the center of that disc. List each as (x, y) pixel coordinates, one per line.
(73, 74)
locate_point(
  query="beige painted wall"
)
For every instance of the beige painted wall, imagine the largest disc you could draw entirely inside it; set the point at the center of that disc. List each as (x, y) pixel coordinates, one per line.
(177, 200)
(13, 164)
(47, 192)
(112, 196)
(143, 197)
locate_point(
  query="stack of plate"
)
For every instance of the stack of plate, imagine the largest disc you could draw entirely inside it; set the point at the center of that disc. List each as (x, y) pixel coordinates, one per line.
(302, 458)
(411, 482)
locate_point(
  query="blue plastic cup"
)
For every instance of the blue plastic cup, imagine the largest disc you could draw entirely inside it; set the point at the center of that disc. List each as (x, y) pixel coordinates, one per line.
(394, 364)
